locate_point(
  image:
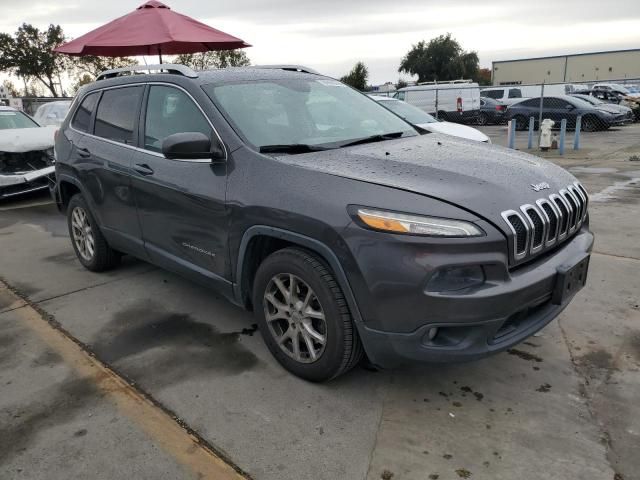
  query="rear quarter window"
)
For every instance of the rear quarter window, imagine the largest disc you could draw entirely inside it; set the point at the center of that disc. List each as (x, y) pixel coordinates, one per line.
(82, 118)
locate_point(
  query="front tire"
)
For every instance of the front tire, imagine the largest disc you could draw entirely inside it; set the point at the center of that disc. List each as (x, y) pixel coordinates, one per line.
(483, 119)
(90, 246)
(303, 316)
(589, 124)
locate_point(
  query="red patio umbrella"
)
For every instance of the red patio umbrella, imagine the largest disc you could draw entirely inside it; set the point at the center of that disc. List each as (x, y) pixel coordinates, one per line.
(152, 29)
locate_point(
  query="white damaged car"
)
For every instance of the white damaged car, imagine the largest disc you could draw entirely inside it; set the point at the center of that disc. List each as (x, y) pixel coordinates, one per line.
(423, 120)
(26, 154)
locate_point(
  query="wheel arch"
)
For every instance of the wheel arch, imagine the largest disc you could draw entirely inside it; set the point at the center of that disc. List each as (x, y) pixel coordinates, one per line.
(260, 241)
(67, 186)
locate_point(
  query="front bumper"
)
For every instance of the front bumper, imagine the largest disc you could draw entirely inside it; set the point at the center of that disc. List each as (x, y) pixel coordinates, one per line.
(25, 182)
(476, 323)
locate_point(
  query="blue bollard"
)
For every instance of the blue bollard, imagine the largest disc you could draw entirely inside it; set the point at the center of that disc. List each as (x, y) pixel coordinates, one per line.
(563, 133)
(512, 134)
(532, 122)
(576, 138)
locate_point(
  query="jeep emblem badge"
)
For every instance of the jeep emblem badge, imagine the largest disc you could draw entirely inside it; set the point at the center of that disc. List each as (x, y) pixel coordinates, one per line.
(540, 186)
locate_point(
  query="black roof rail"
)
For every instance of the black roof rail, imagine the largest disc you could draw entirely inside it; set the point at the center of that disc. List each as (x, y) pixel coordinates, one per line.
(141, 69)
(291, 68)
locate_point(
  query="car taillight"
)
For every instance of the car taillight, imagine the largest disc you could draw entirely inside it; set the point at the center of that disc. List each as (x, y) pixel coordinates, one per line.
(499, 107)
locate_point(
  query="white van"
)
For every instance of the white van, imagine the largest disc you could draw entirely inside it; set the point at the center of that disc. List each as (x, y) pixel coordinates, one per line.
(457, 101)
(510, 94)
(505, 95)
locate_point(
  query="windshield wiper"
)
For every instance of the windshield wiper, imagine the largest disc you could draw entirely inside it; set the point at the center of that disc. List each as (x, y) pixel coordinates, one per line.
(293, 148)
(373, 138)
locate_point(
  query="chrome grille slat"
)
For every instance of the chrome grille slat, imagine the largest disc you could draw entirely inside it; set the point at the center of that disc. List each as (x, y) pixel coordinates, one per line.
(551, 220)
(537, 226)
(578, 196)
(571, 203)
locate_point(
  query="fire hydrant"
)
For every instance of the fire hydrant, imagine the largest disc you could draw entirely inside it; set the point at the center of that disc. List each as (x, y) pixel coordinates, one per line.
(545, 133)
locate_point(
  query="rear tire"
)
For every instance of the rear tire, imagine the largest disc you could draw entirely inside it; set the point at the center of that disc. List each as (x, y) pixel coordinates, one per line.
(90, 246)
(303, 316)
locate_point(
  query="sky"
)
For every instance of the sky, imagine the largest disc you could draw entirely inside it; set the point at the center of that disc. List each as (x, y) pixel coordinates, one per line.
(331, 35)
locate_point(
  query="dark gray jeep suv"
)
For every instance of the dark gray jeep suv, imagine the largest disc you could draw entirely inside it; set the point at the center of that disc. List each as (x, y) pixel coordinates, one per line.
(347, 232)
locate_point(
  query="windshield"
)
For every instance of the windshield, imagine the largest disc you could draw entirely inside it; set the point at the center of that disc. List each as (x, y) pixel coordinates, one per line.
(591, 100)
(14, 119)
(411, 114)
(580, 103)
(620, 88)
(303, 111)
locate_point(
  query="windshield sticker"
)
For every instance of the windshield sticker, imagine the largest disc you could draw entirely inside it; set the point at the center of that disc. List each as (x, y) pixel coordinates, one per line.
(331, 83)
(8, 114)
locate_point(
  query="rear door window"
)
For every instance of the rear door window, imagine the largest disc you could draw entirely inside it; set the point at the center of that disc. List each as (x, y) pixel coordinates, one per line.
(117, 114)
(82, 118)
(169, 111)
(515, 93)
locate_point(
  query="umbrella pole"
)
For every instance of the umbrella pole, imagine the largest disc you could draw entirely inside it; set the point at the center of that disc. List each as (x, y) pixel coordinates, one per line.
(160, 54)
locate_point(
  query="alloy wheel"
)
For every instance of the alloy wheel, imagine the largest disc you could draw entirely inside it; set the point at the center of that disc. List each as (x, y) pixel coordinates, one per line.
(82, 233)
(295, 318)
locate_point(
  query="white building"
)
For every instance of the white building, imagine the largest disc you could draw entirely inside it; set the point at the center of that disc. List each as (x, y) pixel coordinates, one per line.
(619, 65)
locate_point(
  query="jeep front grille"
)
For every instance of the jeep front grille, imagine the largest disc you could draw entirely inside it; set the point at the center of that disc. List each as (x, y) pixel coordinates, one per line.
(537, 227)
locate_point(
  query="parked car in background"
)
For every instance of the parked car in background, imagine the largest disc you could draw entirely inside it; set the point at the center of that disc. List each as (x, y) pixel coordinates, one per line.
(491, 111)
(423, 120)
(343, 229)
(608, 107)
(562, 107)
(615, 88)
(505, 95)
(52, 113)
(457, 101)
(26, 154)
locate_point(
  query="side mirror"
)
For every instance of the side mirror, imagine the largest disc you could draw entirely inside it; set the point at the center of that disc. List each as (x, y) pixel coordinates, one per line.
(191, 146)
(570, 107)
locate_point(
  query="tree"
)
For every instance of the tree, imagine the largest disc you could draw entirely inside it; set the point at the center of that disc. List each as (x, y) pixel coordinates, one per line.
(93, 66)
(10, 88)
(401, 84)
(441, 59)
(83, 79)
(483, 77)
(357, 77)
(29, 54)
(216, 59)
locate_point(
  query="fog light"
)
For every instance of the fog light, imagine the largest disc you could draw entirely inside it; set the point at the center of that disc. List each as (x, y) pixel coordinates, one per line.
(456, 278)
(432, 332)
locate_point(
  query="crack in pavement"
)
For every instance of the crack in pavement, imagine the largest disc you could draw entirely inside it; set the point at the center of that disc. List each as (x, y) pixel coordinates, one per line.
(43, 300)
(615, 256)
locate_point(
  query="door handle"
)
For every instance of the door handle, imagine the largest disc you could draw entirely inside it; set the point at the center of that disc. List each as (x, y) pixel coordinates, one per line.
(143, 169)
(83, 152)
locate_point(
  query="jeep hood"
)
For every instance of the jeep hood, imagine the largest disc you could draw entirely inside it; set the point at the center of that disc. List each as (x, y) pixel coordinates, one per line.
(480, 178)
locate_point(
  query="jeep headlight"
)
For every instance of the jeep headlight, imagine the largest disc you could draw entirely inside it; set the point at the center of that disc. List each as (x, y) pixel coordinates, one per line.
(417, 224)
